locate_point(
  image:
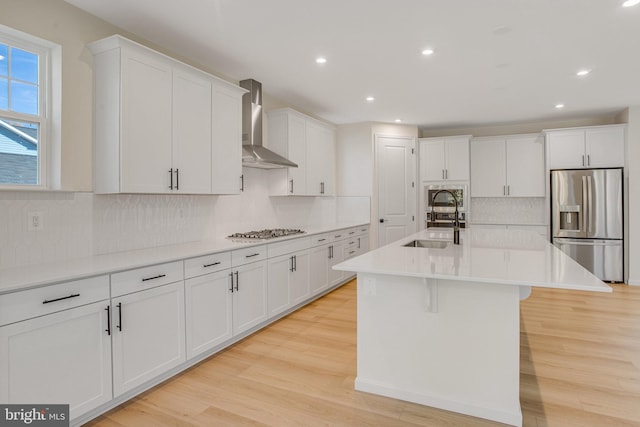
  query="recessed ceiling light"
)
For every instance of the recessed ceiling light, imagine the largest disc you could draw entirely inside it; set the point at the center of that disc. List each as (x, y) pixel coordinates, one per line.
(398, 120)
(630, 3)
(427, 52)
(583, 73)
(370, 98)
(559, 106)
(321, 60)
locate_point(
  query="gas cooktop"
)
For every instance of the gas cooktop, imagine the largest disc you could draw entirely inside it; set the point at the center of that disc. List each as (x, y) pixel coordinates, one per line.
(265, 234)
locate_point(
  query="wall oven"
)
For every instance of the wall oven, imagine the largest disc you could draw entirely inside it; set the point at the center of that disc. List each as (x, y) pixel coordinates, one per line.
(441, 211)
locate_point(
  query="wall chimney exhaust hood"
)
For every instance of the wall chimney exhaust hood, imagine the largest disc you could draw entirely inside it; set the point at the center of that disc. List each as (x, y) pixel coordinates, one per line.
(254, 155)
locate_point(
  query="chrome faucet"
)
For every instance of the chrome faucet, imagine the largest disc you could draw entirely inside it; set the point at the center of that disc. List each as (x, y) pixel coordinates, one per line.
(456, 220)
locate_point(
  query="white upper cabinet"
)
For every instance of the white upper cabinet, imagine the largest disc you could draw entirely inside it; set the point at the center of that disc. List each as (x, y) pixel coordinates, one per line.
(311, 145)
(508, 166)
(444, 159)
(588, 147)
(162, 126)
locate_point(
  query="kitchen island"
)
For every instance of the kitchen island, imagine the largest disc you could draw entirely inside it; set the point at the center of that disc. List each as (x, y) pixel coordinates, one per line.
(439, 325)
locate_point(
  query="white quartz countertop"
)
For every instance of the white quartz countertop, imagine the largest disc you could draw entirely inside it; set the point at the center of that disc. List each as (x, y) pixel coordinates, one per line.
(504, 256)
(26, 277)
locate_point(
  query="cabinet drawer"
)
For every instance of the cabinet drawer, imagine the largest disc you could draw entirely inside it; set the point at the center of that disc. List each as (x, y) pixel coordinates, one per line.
(18, 306)
(351, 249)
(287, 247)
(340, 234)
(247, 255)
(321, 239)
(139, 279)
(362, 230)
(206, 264)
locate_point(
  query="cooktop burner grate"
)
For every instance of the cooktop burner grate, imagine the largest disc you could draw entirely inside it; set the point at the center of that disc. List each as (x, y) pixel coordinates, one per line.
(266, 234)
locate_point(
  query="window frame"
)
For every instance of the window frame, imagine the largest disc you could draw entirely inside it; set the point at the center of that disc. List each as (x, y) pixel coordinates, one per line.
(49, 107)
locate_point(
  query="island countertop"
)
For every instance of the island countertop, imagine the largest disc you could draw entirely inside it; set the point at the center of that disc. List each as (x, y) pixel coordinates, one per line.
(501, 256)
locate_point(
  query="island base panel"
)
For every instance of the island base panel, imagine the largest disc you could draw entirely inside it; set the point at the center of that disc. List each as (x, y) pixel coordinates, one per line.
(459, 353)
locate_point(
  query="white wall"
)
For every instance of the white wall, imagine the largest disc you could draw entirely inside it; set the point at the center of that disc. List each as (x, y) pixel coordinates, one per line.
(355, 167)
(633, 191)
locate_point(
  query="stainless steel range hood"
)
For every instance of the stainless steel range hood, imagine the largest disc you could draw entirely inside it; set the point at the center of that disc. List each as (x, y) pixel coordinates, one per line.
(254, 155)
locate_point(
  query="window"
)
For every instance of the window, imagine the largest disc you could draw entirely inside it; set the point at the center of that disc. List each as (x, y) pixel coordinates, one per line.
(26, 83)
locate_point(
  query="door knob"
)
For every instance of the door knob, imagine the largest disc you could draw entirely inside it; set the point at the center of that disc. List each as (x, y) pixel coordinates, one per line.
(381, 220)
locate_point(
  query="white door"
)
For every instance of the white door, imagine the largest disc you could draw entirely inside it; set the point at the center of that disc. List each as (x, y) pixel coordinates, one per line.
(395, 165)
(148, 335)
(63, 357)
(191, 133)
(208, 300)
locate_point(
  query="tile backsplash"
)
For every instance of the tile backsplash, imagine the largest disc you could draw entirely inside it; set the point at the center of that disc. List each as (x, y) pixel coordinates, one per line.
(508, 210)
(81, 224)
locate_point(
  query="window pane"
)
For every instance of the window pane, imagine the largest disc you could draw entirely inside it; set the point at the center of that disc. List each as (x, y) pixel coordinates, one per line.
(18, 152)
(4, 59)
(24, 98)
(4, 94)
(24, 66)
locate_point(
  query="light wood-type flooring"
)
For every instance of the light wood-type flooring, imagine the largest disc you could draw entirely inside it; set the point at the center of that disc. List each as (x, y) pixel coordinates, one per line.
(580, 366)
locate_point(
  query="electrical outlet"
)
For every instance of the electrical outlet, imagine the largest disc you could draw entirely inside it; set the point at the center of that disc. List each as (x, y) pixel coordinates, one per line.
(34, 221)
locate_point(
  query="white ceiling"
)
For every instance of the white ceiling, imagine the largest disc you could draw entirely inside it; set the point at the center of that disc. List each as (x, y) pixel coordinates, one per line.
(495, 61)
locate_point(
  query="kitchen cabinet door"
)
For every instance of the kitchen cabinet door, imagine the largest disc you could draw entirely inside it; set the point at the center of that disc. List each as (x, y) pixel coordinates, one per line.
(566, 149)
(280, 270)
(336, 257)
(226, 143)
(191, 147)
(319, 268)
(320, 159)
(457, 158)
(605, 146)
(432, 155)
(488, 172)
(209, 302)
(148, 335)
(525, 166)
(146, 122)
(299, 285)
(63, 357)
(249, 296)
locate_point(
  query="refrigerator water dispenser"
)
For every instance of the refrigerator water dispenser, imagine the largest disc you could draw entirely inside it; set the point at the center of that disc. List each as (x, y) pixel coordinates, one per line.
(570, 218)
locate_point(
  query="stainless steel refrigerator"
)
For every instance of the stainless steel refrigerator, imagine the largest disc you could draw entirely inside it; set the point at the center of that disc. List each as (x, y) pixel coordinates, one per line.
(587, 219)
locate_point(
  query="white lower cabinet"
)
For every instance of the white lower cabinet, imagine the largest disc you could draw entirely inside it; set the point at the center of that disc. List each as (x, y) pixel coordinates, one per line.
(249, 284)
(63, 357)
(299, 286)
(336, 256)
(288, 281)
(208, 302)
(319, 268)
(148, 335)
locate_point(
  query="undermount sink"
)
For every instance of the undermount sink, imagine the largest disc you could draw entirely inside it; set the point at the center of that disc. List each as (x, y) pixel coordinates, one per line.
(431, 244)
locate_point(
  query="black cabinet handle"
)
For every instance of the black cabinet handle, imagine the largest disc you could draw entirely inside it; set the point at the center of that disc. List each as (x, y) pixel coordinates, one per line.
(291, 182)
(108, 330)
(119, 325)
(171, 179)
(251, 256)
(322, 188)
(177, 179)
(237, 281)
(321, 240)
(47, 301)
(231, 275)
(211, 265)
(295, 263)
(291, 268)
(358, 243)
(154, 277)
(337, 236)
(352, 232)
(241, 183)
